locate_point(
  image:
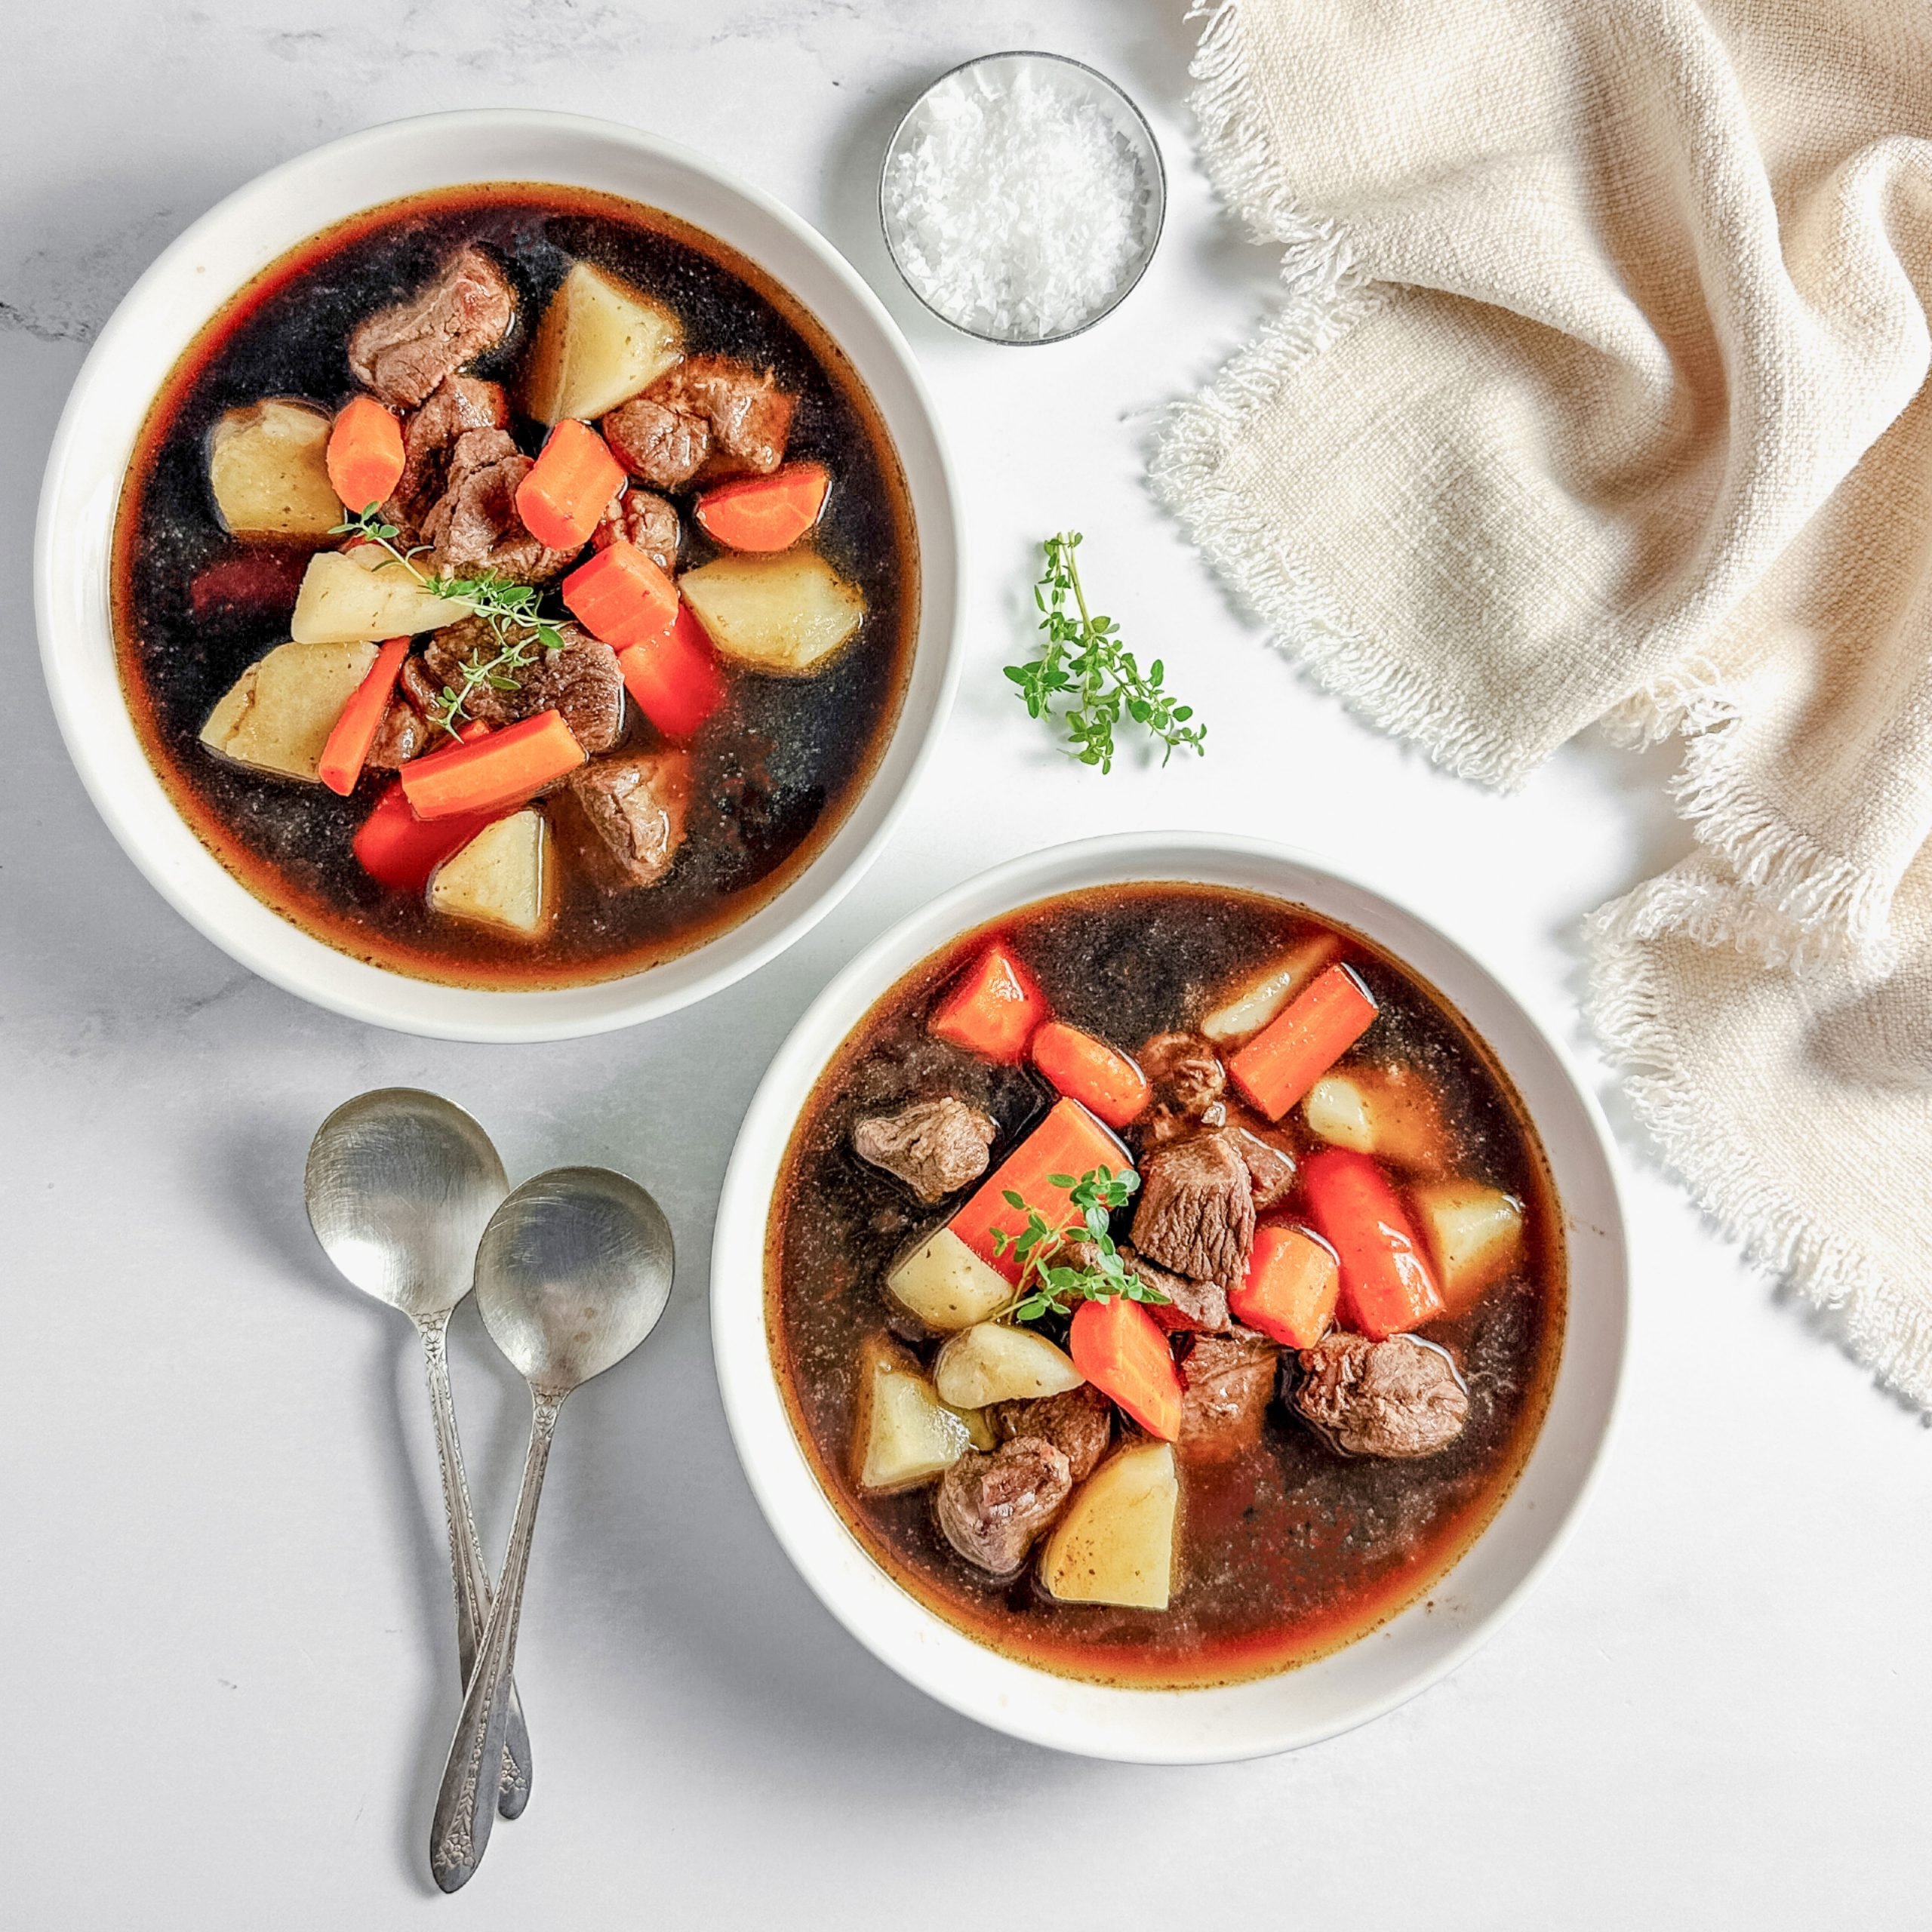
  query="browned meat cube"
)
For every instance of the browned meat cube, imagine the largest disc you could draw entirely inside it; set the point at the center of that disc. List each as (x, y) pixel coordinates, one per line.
(460, 403)
(663, 447)
(1400, 1398)
(1079, 1423)
(399, 738)
(934, 1146)
(991, 1508)
(1184, 1072)
(421, 686)
(1271, 1169)
(1198, 1307)
(708, 413)
(627, 815)
(1196, 1213)
(402, 354)
(644, 517)
(581, 679)
(1230, 1380)
(473, 526)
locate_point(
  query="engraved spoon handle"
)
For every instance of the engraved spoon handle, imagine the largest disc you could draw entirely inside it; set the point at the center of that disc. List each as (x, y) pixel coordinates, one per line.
(460, 1831)
(471, 1580)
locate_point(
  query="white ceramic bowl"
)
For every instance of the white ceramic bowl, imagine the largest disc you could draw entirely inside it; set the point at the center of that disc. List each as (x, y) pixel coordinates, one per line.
(190, 283)
(1297, 1706)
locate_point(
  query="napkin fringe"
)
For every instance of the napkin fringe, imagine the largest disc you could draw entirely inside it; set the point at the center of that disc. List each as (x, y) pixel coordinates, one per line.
(1885, 1328)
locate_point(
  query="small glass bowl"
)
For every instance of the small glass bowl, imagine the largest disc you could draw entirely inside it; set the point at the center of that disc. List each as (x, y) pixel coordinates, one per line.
(1074, 78)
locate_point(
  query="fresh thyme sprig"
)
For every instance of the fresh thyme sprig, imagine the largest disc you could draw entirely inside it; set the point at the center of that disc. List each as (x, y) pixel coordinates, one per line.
(1053, 1273)
(511, 612)
(1083, 657)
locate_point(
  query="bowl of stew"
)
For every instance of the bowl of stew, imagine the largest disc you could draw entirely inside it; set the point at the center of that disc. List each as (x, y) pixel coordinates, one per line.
(1169, 1299)
(496, 575)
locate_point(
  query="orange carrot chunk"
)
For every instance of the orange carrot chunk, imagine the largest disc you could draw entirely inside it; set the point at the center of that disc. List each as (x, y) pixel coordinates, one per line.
(766, 512)
(1117, 1347)
(674, 678)
(365, 454)
(494, 773)
(569, 487)
(1088, 1070)
(340, 765)
(399, 849)
(1293, 1278)
(621, 596)
(1387, 1285)
(1277, 1067)
(1070, 1142)
(992, 1011)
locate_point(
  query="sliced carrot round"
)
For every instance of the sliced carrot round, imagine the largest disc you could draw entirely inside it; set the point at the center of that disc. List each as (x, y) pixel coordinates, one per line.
(766, 512)
(1099, 1076)
(364, 457)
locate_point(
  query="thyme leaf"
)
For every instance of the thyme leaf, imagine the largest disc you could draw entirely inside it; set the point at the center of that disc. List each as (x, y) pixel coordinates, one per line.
(1073, 1260)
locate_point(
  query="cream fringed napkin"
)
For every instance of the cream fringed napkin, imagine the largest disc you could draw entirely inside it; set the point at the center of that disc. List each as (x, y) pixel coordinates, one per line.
(1599, 395)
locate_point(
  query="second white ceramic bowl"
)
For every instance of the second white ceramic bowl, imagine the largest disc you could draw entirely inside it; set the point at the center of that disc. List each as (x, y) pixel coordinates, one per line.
(1270, 1714)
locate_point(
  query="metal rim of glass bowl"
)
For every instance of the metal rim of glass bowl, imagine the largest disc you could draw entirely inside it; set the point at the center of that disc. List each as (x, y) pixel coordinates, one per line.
(1159, 185)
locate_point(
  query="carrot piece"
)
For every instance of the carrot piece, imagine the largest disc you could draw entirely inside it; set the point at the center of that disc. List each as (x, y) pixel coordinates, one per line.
(1069, 1142)
(1293, 1277)
(993, 1010)
(1387, 1285)
(1103, 1080)
(364, 457)
(569, 487)
(766, 512)
(1277, 1067)
(494, 773)
(340, 765)
(621, 596)
(397, 849)
(1117, 1347)
(674, 678)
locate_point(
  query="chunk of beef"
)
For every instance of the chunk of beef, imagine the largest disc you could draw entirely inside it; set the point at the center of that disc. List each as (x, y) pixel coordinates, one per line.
(1271, 1170)
(458, 405)
(580, 678)
(644, 517)
(1196, 1214)
(626, 816)
(399, 738)
(659, 445)
(475, 525)
(1191, 1307)
(1079, 1423)
(1229, 1380)
(1184, 1072)
(1401, 1397)
(709, 412)
(934, 1146)
(402, 354)
(991, 1508)
(419, 683)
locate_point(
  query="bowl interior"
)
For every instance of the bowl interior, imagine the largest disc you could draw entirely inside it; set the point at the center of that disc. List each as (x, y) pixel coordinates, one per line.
(191, 281)
(1317, 1699)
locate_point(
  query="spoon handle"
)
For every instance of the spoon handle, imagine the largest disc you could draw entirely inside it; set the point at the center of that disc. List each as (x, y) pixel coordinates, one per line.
(460, 1831)
(466, 1570)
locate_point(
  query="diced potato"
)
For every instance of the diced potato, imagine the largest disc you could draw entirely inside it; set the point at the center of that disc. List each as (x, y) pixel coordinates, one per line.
(502, 877)
(278, 715)
(1386, 1111)
(1475, 1234)
(905, 1435)
(1260, 997)
(266, 469)
(1115, 1543)
(361, 596)
(990, 1362)
(785, 613)
(946, 1285)
(599, 342)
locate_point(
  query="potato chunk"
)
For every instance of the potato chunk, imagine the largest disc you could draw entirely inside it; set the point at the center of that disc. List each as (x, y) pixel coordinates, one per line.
(277, 716)
(600, 342)
(785, 613)
(1262, 994)
(1389, 1112)
(1474, 1234)
(905, 1435)
(361, 595)
(502, 877)
(990, 1362)
(946, 1285)
(1116, 1544)
(266, 469)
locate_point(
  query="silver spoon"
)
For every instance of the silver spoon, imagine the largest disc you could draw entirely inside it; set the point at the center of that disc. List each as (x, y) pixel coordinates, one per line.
(400, 1186)
(572, 1274)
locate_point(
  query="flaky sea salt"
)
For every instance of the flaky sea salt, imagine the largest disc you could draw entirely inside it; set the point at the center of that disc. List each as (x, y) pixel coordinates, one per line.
(1014, 204)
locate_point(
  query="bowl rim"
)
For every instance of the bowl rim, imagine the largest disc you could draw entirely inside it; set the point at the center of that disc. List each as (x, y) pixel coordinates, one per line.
(72, 602)
(1125, 1723)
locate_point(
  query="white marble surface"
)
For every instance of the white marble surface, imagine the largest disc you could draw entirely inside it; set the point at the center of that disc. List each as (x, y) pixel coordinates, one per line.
(224, 1630)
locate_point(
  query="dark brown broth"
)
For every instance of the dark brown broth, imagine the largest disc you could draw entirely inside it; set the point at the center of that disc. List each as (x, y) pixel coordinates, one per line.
(776, 770)
(1287, 1551)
